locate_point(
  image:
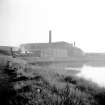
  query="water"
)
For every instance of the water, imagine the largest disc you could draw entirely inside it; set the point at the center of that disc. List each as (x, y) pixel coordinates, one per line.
(92, 73)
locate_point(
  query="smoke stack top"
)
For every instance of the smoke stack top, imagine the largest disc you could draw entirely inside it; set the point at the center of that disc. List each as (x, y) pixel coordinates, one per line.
(50, 36)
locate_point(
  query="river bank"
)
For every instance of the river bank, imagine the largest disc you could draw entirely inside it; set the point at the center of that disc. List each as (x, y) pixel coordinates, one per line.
(48, 87)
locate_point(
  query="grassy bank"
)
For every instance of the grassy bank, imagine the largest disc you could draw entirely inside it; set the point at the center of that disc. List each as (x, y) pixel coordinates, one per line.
(37, 91)
(44, 89)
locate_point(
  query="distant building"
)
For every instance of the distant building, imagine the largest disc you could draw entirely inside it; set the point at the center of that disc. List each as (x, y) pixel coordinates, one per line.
(51, 49)
(45, 50)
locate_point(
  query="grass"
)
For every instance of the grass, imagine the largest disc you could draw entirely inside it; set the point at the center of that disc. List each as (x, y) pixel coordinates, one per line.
(40, 92)
(43, 88)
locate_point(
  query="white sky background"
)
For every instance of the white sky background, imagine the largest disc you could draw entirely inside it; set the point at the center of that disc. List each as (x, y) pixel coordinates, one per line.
(82, 21)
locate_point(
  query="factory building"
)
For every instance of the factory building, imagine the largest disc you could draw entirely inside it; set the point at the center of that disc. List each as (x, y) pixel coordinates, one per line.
(46, 50)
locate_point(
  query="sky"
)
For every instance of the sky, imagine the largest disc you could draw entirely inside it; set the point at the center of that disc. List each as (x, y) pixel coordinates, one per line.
(29, 21)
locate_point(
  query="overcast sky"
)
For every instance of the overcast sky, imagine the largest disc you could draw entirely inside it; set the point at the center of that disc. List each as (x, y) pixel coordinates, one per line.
(82, 21)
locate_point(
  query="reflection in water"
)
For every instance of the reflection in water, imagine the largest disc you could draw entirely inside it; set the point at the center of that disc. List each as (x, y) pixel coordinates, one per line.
(95, 74)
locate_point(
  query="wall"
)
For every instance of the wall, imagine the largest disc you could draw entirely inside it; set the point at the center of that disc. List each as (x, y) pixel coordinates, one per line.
(54, 52)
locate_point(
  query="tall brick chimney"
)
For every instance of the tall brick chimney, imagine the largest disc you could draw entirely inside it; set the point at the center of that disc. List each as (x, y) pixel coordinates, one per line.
(50, 37)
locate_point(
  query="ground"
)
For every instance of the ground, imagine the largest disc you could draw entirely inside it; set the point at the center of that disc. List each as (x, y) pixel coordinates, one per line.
(45, 85)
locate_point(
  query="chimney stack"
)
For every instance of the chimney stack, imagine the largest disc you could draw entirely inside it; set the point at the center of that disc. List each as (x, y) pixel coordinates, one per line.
(50, 33)
(74, 44)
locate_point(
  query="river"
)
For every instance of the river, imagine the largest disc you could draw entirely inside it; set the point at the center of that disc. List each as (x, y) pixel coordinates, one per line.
(92, 73)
